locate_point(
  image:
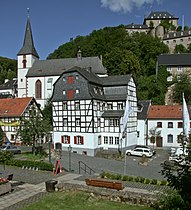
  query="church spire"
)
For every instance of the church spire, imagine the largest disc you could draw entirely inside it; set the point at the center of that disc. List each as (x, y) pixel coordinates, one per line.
(28, 45)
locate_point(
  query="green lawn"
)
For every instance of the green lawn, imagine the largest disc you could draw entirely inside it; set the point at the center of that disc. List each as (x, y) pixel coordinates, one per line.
(79, 201)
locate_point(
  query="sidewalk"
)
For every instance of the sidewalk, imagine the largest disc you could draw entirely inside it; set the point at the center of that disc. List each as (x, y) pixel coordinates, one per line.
(30, 193)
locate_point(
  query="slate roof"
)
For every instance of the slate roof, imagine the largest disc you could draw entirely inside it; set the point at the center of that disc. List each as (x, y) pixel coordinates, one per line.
(13, 107)
(113, 113)
(8, 85)
(175, 59)
(136, 26)
(165, 112)
(160, 15)
(28, 44)
(116, 80)
(55, 67)
(177, 34)
(145, 104)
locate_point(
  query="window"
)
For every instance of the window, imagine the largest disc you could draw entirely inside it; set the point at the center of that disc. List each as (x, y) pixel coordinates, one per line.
(99, 140)
(170, 138)
(179, 138)
(49, 83)
(98, 122)
(64, 79)
(77, 91)
(70, 80)
(70, 94)
(77, 105)
(114, 122)
(98, 106)
(111, 140)
(109, 106)
(174, 41)
(105, 140)
(38, 89)
(77, 121)
(179, 124)
(64, 92)
(65, 107)
(159, 124)
(116, 140)
(170, 124)
(78, 140)
(65, 139)
(120, 106)
(138, 134)
(24, 61)
(179, 68)
(77, 77)
(65, 121)
(169, 68)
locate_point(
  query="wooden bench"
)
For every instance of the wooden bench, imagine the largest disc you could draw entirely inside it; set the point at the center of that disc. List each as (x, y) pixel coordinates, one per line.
(105, 183)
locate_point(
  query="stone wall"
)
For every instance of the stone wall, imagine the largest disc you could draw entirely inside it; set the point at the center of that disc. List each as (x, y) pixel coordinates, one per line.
(127, 195)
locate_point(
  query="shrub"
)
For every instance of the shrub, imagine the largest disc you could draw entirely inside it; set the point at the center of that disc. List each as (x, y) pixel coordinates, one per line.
(141, 179)
(131, 179)
(33, 164)
(147, 181)
(125, 178)
(118, 176)
(153, 181)
(163, 182)
(136, 179)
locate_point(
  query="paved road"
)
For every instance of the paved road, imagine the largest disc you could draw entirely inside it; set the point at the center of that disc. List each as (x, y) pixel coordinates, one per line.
(152, 170)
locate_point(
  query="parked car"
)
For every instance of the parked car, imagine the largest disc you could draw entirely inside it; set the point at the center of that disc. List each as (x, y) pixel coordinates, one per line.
(11, 148)
(142, 152)
(145, 146)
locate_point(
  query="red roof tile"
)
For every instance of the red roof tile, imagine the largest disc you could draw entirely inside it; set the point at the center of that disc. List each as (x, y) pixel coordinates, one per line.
(165, 112)
(13, 107)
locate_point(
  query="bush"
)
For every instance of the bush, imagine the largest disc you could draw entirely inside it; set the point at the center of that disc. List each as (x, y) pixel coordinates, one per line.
(33, 164)
(163, 182)
(153, 181)
(147, 181)
(125, 178)
(169, 200)
(131, 179)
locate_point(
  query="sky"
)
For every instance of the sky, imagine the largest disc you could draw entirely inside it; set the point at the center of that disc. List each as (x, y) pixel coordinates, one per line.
(54, 22)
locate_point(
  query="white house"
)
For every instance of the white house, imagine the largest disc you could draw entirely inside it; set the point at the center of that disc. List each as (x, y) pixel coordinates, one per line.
(168, 121)
(87, 111)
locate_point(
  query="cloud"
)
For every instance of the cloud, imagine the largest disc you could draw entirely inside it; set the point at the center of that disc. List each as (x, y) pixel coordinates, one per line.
(125, 5)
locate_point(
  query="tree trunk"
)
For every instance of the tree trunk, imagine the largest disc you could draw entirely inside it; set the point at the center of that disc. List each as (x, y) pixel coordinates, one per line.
(33, 146)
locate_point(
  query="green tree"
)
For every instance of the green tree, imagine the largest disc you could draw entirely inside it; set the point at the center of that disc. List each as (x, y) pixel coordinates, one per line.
(33, 127)
(121, 62)
(182, 84)
(180, 49)
(168, 26)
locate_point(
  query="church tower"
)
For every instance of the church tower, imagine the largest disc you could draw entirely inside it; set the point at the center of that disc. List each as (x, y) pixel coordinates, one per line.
(25, 57)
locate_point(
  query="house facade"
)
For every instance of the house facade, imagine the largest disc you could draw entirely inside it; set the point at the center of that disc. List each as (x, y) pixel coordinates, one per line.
(11, 112)
(175, 64)
(165, 121)
(87, 110)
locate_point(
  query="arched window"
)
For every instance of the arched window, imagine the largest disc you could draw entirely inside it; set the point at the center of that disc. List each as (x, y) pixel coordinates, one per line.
(38, 89)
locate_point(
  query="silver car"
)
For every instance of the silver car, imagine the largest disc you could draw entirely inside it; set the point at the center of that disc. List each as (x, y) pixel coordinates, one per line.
(11, 148)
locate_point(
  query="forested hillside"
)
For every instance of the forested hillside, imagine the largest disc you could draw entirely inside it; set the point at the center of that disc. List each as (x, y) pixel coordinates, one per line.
(8, 69)
(124, 54)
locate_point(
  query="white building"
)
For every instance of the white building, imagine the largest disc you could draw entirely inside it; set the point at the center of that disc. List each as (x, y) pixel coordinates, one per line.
(166, 119)
(36, 77)
(87, 111)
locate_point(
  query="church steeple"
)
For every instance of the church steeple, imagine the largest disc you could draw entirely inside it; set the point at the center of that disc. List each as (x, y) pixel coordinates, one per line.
(28, 44)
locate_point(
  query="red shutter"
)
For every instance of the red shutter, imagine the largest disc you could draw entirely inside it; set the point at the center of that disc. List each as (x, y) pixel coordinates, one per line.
(68, 139)
(62, 139)
(70, 80)
(75, 142)
(70, 94)
(82, 140)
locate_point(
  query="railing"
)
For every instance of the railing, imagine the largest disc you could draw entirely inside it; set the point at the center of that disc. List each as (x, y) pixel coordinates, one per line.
(85, 168)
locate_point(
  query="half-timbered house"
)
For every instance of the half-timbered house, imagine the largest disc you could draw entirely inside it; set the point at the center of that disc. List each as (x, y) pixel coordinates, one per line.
(87, 111)
(11, 112)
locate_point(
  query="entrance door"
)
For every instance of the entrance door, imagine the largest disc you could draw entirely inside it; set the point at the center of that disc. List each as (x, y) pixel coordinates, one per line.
(159, 142)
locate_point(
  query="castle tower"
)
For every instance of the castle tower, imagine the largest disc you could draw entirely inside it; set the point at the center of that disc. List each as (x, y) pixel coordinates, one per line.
(25, 57)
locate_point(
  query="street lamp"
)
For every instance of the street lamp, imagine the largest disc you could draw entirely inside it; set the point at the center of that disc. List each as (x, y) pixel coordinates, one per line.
(69, 157)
